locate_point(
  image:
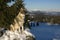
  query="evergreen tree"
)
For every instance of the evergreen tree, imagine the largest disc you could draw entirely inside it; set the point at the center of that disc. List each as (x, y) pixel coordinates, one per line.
(8, 13)
(27, 20)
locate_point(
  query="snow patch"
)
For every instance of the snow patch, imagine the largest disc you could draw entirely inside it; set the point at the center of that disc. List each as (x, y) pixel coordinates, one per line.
(9, 35)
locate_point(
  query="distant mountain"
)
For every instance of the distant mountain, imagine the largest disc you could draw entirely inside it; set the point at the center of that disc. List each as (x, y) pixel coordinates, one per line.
(45, 13)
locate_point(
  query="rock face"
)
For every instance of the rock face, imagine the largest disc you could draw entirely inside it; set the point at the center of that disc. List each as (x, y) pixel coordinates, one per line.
(17, 31)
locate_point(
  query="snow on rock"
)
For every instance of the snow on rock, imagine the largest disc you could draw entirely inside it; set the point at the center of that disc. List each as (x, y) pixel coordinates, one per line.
(27, 32)
(9, 35)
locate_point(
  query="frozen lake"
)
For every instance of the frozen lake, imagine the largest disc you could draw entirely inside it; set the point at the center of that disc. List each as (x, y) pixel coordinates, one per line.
(46, 31)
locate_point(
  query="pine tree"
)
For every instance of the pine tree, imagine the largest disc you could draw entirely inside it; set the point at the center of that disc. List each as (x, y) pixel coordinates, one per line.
(8, 13)
(27, 20)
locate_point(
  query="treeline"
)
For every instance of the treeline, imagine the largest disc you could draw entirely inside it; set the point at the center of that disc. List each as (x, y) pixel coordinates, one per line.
(45, 18)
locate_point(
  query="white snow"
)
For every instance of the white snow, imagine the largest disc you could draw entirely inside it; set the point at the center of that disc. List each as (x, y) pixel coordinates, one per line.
(56, 39)
(52, 24)
(9, 35)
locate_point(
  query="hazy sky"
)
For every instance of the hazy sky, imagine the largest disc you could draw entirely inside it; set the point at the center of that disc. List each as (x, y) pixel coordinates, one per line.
(49, 5)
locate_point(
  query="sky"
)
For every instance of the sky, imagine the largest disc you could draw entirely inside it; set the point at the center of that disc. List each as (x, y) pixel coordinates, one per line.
(43, 5)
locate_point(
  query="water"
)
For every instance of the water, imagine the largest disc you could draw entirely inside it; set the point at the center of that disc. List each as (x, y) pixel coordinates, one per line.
(46, 32)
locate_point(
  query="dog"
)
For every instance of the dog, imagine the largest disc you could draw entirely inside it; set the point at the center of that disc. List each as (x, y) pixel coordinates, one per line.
(18, 22)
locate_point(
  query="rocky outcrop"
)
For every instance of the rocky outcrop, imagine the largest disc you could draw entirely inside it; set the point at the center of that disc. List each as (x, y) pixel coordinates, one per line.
(17, 31)
(10, 35)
